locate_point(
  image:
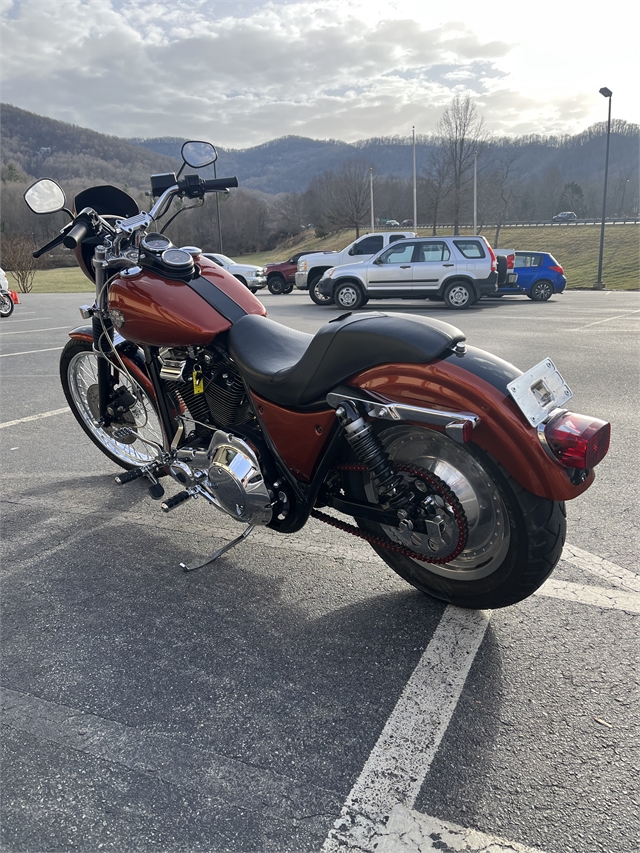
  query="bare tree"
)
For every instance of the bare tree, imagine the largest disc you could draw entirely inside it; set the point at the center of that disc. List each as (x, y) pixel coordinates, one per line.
(344, 196)
(462, 134)
(439, 179)
(18, 261)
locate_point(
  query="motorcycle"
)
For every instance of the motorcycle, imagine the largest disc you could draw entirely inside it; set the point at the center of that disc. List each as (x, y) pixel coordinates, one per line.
(450, 462)
(6, 302)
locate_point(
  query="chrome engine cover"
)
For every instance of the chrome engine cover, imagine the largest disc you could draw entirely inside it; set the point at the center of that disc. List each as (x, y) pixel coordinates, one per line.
(235, 481)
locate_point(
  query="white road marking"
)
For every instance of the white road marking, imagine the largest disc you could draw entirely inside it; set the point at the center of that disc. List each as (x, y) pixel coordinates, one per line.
(29, 351)
(35, 417)
(29, 331)
(594, 596)
(401, 758)
(377, 814)
(606, 320)
(598, 566)
(406, 829)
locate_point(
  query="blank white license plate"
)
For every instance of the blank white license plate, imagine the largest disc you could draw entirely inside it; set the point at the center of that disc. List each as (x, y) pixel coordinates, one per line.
(539, 391)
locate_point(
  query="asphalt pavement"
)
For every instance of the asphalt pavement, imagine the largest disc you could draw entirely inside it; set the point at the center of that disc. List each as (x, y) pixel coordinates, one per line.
(299, 696)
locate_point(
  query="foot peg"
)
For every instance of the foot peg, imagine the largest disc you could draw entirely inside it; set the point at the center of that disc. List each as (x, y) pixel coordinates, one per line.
(220, 551)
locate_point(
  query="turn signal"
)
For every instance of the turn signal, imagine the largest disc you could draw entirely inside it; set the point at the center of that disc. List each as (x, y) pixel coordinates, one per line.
(578, 441)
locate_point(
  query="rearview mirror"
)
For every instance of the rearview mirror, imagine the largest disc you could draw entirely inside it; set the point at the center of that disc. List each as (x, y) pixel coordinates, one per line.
(45, 196)
(199, 154)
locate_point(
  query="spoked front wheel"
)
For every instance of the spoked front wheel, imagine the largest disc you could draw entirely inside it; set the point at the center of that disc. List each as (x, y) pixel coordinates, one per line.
(514, 538)
(79, 377)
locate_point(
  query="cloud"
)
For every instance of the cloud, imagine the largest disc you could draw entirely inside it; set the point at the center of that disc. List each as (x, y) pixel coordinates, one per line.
(243, 73)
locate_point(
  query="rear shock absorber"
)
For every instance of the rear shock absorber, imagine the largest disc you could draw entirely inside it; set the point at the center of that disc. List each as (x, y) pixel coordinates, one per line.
(370, 452)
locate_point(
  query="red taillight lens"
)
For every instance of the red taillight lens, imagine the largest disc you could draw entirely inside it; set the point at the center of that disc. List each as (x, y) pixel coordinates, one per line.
(494, 262)
(557, 269)
(511, 262)
(578, 441)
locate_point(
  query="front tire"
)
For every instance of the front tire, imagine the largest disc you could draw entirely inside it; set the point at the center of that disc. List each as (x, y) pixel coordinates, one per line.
(79, 377)
(317, 297)
(349, 296)
(6, 305)
(276, 285)
(515, 538)
(459, 295)
(541, 291)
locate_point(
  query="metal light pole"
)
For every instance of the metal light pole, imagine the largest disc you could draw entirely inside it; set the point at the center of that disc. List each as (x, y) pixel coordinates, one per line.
(415, 187)
(373, 224)
(599, 285)
(475, 193)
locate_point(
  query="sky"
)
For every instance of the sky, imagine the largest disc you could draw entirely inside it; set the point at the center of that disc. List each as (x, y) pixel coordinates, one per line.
(242, 73)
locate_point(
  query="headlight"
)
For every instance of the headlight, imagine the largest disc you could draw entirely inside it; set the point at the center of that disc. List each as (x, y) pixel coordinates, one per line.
(302, 266)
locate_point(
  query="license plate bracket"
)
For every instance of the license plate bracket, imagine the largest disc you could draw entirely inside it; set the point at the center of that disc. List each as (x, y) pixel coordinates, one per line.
(539, 391)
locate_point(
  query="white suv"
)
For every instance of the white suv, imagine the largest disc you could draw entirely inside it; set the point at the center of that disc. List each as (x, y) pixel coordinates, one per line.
(457, 270)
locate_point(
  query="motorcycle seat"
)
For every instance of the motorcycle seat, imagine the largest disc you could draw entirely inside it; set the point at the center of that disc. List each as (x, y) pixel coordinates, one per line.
(296, 369)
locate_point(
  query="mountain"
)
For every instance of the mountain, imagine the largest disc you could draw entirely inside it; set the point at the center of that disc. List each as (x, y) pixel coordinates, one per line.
(39, 147)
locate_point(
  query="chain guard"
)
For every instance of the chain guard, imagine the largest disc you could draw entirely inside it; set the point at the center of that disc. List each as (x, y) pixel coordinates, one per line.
(436, 486)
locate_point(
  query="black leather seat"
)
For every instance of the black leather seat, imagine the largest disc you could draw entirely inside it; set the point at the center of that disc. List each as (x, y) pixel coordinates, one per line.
(296, 369)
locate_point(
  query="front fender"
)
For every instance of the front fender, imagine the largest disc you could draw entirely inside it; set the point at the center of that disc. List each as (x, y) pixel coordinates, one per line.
(130, 354)
(476, 381)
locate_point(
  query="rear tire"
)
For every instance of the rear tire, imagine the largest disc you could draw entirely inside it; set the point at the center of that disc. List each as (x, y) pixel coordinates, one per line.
(515, 538)
(460, 294)
(6, 305)
(316, 297)
(287, 288)
(541, 291)
(79, 377)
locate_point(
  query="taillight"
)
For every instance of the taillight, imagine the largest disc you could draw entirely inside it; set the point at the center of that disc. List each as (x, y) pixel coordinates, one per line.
(557, 269)
(511, 262)
(492, 254)
(578, 441)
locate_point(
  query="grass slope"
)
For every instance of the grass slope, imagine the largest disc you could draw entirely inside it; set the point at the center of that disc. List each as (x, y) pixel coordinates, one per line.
(575, 247)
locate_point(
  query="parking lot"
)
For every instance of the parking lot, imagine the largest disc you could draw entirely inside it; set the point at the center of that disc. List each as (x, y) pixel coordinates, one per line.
(298, 696)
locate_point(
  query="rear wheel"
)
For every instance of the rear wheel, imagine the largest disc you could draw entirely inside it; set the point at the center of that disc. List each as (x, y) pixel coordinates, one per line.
(79, 377)
(287, 288)
(541, 291)
(6, 305)
(459, 294)
(349, 296)
(514, 539)
(317, 297)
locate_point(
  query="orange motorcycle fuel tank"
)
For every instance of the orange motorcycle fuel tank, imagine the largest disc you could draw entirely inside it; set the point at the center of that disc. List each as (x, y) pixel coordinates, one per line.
(151, 310)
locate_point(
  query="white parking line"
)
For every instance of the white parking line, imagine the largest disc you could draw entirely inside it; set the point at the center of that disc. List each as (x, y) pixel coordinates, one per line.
(29, 351)
(29, 331)
(378, 812)
(606, 320)
(35, 417)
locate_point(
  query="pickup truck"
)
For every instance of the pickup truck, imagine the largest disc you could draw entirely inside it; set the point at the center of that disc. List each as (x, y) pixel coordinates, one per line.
(311, 267)
(281, 276)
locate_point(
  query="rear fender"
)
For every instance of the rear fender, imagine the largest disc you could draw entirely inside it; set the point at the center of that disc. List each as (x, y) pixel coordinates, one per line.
(129, 353)
(476, 381)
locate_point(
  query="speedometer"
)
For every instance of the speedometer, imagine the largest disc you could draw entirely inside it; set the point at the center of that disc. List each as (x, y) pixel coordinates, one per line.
(155, 242)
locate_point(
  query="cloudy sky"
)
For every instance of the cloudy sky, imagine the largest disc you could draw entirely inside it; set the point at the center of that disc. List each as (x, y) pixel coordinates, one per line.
(242, 73)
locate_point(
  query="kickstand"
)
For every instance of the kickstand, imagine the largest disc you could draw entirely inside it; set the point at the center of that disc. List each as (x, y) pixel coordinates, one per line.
(220, 551)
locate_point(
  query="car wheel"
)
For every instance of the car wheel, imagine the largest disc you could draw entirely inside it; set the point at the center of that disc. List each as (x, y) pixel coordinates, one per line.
(317, 297)
(348, 296)
(541, 291)
(276, 285)
(287, 288)
(459, 294)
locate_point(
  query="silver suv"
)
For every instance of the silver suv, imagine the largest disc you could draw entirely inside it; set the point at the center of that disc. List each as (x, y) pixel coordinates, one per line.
(456, 270)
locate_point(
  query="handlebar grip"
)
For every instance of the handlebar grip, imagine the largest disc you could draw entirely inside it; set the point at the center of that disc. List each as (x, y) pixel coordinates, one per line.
(76, 235)
(213, 184)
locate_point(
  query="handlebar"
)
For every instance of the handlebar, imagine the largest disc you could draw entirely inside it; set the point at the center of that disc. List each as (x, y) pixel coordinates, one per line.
(212, 185)
(76, 235)
(55, 242)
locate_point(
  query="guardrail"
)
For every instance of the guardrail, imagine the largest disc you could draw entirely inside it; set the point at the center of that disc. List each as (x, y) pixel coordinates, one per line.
(626, 220)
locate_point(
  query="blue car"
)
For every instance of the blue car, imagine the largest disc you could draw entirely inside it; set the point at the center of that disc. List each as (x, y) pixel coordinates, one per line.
(539, 277)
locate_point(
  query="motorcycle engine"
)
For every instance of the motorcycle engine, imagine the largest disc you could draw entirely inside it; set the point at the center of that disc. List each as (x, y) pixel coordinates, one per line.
(233, 482)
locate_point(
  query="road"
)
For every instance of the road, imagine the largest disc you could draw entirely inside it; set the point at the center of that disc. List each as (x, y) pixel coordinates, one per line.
(299, 696)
